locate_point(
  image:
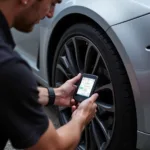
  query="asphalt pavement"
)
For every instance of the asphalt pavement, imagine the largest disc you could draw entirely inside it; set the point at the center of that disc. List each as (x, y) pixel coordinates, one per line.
(51, 112)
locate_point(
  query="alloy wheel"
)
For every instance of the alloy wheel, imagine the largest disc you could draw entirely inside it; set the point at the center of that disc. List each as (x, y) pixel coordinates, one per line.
(79, 54)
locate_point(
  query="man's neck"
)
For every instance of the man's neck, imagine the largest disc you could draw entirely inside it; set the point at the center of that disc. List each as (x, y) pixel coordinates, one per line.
(8, 8)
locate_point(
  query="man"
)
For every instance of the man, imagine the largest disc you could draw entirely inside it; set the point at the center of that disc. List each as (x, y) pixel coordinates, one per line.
(23, 120)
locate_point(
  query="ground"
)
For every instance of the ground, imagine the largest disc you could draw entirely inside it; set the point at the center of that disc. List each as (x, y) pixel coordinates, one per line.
(52, 115)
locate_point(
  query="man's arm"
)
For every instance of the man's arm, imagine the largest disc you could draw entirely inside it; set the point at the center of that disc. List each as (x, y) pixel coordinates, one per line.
(67, 137)
(26, 124)
(63, 94)
(61, 139)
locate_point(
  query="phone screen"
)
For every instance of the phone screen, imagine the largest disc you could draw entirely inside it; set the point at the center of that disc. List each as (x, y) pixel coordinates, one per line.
(86, 86)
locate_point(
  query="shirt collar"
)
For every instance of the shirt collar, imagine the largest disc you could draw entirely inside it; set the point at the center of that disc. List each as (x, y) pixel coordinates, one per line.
(5, 29)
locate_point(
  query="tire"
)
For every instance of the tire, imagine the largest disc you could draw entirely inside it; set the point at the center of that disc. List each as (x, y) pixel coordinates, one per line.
(125, 128)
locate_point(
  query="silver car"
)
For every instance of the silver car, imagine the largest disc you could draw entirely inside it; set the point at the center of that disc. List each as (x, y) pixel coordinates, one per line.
(108, 38)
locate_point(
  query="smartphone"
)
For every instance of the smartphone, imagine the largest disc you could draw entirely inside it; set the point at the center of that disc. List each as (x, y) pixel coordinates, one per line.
(86, 87)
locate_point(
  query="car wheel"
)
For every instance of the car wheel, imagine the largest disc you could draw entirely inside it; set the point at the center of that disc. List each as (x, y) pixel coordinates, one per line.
(86, 49)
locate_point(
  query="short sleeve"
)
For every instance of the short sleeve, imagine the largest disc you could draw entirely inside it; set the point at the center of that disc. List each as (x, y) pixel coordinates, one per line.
(24, 118)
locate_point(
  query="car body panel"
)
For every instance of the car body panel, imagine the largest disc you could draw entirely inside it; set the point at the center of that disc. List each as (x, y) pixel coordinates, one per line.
(74, 6)
(143, 141)
(134, 37)
(95, 10)
(126, 22)
(105, 13)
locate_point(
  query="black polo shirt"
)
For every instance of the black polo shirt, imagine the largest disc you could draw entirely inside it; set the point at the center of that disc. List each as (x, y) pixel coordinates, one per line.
(23, 120)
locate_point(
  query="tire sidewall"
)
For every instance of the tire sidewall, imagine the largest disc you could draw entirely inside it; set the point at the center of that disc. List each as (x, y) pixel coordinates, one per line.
(121, 103)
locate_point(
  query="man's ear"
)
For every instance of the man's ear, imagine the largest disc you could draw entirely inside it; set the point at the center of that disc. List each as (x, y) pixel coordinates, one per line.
(24, 2)
(27, 2)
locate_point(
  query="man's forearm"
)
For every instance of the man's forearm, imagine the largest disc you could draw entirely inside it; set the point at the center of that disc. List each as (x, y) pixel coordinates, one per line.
(65, 138)
(43, 96)
(70, 134)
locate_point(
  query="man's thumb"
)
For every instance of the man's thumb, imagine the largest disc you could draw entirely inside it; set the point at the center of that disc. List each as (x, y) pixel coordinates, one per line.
(75, 79)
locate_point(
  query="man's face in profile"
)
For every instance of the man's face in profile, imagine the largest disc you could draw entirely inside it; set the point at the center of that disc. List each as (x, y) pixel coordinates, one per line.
(32, 15)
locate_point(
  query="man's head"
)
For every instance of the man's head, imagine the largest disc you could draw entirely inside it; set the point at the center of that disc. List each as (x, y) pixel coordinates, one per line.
(27, 13)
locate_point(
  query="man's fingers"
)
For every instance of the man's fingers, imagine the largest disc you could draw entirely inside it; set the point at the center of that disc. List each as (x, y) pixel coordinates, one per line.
(73, 89)
(74, 108)
(94, 97)
(95, 110)
(75, 79)
(73, 102)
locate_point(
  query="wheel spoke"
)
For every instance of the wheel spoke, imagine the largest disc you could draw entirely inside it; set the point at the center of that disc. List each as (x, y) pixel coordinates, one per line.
(104, 87)
(64, 117)
(87, 140)
(102, 126)
(106, 107)
(59, 67)
(71, 59)
(92, 143)
(87, 57)
(79, 64)
(67, 65)
(103, 71)
(81, 147)
(95, 135)
(96, 63)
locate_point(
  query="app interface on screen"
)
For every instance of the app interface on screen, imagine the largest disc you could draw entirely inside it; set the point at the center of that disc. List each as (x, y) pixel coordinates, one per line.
(85, 86)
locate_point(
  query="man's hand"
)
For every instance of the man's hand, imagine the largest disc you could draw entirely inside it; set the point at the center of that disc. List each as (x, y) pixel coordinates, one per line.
(60, 139)
(86, 110)
(63, 94)
(66, 91)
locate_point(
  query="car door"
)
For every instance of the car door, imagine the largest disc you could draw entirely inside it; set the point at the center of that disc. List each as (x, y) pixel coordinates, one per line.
(28, 44)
